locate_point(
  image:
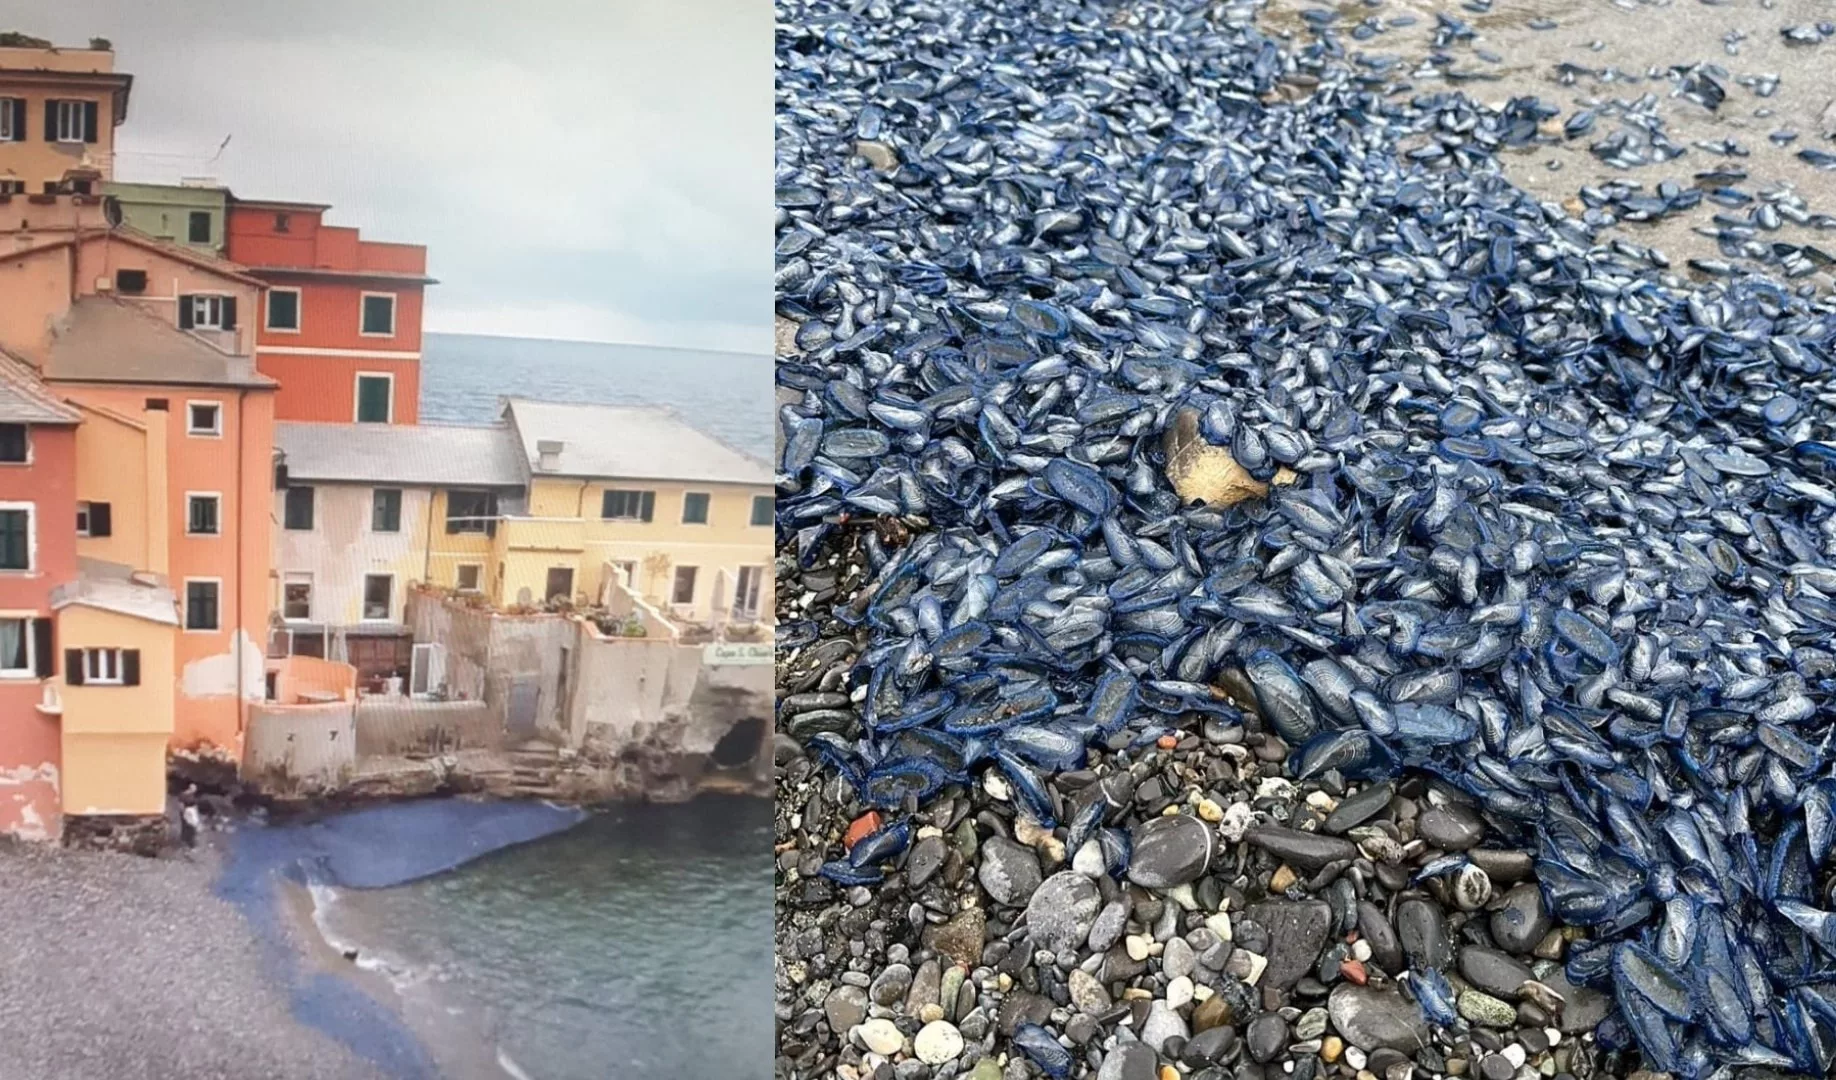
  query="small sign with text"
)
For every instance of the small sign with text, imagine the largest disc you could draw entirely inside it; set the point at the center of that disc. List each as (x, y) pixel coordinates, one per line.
(728, 653)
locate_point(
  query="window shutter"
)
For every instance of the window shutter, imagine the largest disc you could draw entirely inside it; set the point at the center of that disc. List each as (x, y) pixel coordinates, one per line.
(184, 312)
(73, 667)
(130, 667)
(43, 650)
(229, 313)
(50, 120)
(89, 121)
(649, 501)
(19, 120)
(99, 523)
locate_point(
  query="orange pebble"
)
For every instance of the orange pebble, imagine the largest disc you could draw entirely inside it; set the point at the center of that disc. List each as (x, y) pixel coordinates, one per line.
(1167, 742)
(864, 826)
(1353, 971)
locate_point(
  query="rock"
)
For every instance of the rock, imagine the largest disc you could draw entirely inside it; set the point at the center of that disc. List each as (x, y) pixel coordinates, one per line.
(878, 154)
(890, 986)
(1376, 932)
(1087, 992)
(846, 1007)
(986, 1069)
(1422, 931)
(1009, 872)
(1170, 851)
(1129, 1061)
(937, 1042)
(1107, 928)
(1495, 1067)
(1503, 867)
(1306, 851)
(925, 986)
(1209, 1046)
(1020, 1007)
(1484, 1009)
(960, 939)
(1177, 958)
(1179, 992)
(1471, 888)
(1061, 911)
(880, 1036)
(1583, 1008)
(1265, 1037)
(1359, 807)
(1238, 817)
(1311, 1025)
(1371, 1018)
(926, 859)
(1494, 972)
(1521, 919)
(1297, 932)
(1453, 827)
(1162, 1024)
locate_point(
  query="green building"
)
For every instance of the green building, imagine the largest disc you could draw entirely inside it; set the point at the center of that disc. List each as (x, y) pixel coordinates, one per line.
(191, 214)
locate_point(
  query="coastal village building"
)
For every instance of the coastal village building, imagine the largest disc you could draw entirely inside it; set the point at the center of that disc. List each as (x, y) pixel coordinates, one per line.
(191, 214)
(58, 112)
(340, 327)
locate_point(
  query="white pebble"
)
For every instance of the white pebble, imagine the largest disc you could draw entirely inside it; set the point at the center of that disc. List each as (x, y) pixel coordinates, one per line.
(1319, 800)
(1219, 925)
(880, 1036)
(1275, 787)
(1554, 1035)
(1182, 895)
(937, 1042)
(1515, 1054)
(1179, 992)
(1238, 817)
(1137, 947)
(995, 786)
(1361, 950)
(1257, 962)
(1089, 860)
(1355, 1057)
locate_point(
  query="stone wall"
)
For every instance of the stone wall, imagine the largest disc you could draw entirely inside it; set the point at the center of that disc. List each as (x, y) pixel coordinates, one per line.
(300, 747)
(489, 655)
(405, 726)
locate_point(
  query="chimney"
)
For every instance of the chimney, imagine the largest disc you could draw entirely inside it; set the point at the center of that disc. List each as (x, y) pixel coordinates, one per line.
(548, 454)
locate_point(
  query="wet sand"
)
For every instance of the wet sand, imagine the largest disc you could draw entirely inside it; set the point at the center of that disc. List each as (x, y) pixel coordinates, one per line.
(1626, 48)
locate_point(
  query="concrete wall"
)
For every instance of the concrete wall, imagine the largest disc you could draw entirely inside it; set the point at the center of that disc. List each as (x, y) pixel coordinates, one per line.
(114, 737)
(299, 675)
(403, 726)
(310, 744)
(341, 549)
(488, 655)
(164, 211)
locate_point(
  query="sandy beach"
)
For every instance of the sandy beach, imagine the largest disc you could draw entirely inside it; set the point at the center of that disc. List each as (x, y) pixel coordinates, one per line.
(114, 967)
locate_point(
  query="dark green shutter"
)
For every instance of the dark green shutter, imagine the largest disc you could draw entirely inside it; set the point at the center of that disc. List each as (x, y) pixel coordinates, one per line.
(99, 523)
(184, 312)
(50, 120)
(229, 313)
(19, 120)
(44, 651)
(650, 505)
(130, 667)
(372, 400)
(73, 667)
(89, 121)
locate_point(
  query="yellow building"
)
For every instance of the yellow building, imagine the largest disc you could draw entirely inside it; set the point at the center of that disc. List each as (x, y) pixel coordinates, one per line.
(114, 690)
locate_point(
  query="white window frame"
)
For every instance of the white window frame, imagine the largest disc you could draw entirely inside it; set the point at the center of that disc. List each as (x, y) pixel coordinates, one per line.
(477, 584)
(297, 577)
(675, 579)
(82, 517)
(267, 311)
(96, 660)
(363, 600)
(31, 512)
(426, 668)
(30, 671)
(185, 599)
(214, 496)
(196, 432)
(357, 394)
(640, 493)
(682, 518)
(6, 119)
(395, 304)
(207, 310)
(758, 586)
(70, 114)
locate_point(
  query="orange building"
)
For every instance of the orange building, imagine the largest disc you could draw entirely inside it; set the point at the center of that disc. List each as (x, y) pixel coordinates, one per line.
(340, 324)
(58, 112)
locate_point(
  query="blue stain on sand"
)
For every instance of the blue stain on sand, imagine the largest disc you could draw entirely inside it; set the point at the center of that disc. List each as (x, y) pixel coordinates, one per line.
(372, 848)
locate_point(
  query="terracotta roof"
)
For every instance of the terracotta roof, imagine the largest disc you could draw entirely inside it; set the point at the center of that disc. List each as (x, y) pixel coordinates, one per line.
(24, 399)
(634, 442)
(101, 339)
(412, 455)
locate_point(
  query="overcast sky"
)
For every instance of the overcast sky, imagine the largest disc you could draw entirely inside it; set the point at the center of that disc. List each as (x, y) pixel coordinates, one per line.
(594, 170)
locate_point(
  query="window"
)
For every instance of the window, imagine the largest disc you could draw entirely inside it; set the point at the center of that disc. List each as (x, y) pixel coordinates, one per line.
(296, 596)
(93, 519)
(471, 512)
(12, 187)
(377, 591)
(695, 508)
(14, 448)
(15, 537)
(386, 510)
(284, 309)
(197, 227)
(283, 222)
(298, 516)
(375, 398)
(684, 592)
(378, 315)
(468, 577)
(747, 590)
(102, 667)
(204, 418)
(12, 120)
(201, 604)
(16, 659)
(70, 121)
(131, 282)
(207, 312)
(761, 509)
(201, 514)
(560, 583)
(627, 505)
